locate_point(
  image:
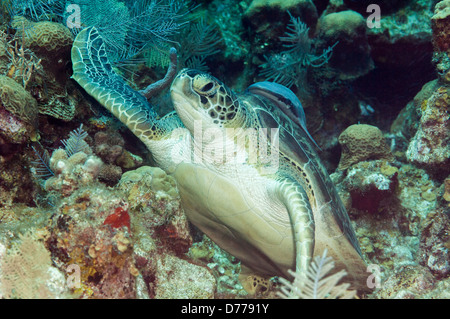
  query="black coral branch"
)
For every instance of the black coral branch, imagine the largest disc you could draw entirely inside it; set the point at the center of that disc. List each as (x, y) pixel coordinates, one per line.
(41, 166)
(76, 143)
(317, 284)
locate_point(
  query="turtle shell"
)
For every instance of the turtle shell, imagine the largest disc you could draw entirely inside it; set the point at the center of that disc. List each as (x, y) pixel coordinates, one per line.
(301, 162)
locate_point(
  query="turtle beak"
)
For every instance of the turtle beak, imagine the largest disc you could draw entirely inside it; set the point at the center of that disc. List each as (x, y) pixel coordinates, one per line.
(178, 83)
(183, 99)
(181, 87)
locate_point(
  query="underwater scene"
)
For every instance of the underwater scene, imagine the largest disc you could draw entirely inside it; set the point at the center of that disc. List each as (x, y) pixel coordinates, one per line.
(225, 149)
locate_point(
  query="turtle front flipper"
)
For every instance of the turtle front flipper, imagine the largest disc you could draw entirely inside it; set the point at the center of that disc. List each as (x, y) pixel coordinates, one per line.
(300, 212)
(94, 72)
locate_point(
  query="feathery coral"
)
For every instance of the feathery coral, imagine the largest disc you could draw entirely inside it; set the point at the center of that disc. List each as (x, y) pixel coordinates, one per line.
(288, 67)
(316, 284)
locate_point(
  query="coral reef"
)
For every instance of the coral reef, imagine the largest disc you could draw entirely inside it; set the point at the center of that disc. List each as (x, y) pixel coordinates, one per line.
(440, 22)
(403, 29)
(44, 37)
(224, 267)
(126, 237)
(110, 148)
(446, 195)
(71, 173)
(371, 185)
(407, 122)
(85, 217)
(154, 199)
(408, 282)
(18, 126)
(429, 147)
(82, 235)
(51, 43)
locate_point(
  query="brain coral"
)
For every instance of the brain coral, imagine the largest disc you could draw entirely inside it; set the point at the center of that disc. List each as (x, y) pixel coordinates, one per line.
(361, 142)
(17, 101)
(45, 35)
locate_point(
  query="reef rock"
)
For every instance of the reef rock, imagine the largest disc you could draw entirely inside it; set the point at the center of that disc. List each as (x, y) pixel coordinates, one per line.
(441, 37)
(268, 18)
(440, 24)
(404, 34)
(407, 122)
(407, 282)
(90, 231)
(430, 147)
(155, 202)
(178, 279)
(435, 243)
(371, 185)
(351, 56)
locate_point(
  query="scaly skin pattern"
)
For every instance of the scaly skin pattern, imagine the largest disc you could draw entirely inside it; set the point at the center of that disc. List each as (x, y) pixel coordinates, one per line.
(93, 71)
(296, 200)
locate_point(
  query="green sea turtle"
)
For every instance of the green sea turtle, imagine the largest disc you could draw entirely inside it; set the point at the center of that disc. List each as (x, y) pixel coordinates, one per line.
(246, 168)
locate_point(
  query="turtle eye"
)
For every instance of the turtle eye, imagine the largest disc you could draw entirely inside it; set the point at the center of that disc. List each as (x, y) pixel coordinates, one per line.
(207, 87)
(204, 85)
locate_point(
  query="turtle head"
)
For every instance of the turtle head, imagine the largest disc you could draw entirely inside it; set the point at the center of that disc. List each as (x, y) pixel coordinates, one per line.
(198, 96)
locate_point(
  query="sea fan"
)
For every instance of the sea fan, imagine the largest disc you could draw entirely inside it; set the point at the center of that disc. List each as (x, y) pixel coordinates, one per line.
(76, 143)
(112, 20)
(26, 270)
(316, 284)
(37, 10)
